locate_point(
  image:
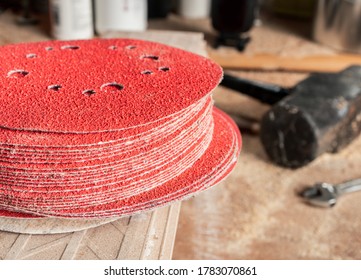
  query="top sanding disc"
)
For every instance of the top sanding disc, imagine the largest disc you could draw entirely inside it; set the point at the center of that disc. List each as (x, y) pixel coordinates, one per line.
(108, 128)
(98, 85)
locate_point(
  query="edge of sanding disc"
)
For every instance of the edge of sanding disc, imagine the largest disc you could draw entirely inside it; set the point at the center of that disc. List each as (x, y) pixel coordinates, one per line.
(226, 135)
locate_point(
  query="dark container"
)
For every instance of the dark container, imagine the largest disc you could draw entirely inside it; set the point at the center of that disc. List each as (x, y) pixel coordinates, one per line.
(232, 18)
(159, 8)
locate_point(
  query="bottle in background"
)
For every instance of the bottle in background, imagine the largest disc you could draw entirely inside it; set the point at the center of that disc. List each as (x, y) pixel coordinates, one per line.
(120, 15)
(194, 9)
(71, 19)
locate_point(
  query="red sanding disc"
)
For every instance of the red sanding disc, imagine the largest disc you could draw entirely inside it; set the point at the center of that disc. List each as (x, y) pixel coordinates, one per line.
(67, 142)
(215, 164)
(19, 158)
(98, 85)
(107, 128)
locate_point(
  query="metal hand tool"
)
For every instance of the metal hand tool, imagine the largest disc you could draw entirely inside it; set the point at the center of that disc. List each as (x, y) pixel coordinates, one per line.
(320, 114)
(326, 195)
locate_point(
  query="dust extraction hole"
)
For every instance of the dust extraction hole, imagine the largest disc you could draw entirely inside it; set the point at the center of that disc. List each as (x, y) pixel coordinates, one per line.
(69, 47)
(147, 72)
(54, 87)
(18, 73)
(31, 55)
(111, 87)
(89, 92)
(48, 48)
(113, 48)
(164, 69)
(130, 47)
(150, 56)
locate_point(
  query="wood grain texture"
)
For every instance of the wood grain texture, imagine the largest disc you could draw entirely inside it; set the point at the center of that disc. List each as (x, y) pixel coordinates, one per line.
(48, 225)
(143, 236)
(311, 63)
(256, 213)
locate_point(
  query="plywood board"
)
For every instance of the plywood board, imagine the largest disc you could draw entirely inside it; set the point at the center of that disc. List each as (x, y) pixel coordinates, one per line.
(48, 225)
(144, 236)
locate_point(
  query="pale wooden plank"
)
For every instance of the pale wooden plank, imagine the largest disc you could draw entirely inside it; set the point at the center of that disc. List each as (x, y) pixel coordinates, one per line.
(73, 245)
(261, 61)
(170, 231)
(18, 246)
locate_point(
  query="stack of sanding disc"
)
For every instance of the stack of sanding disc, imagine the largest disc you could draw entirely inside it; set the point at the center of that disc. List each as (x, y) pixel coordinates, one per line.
(108, 127)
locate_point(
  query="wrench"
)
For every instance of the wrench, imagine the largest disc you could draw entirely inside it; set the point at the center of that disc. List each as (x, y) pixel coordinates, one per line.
(326, 195)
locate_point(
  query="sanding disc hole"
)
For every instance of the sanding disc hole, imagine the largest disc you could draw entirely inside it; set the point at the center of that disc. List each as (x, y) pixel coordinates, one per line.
(130, 47)
(112, 48)
(147, 72)
(89, 92)
(31, 55)
(152, 57)
(69, 47)
(48, 48)
(164, 69)
(17, 73)
(54, 87)
(111, 87)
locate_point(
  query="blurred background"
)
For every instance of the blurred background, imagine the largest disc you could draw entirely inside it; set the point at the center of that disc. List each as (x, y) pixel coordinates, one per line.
(82, 19)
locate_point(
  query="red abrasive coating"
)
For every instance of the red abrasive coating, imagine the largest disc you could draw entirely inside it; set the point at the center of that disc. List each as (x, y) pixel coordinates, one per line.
(215, 164)
(53, 158)
(108, 127)
(98, 85)
(120, 185)
(68, 142)
(100, 174)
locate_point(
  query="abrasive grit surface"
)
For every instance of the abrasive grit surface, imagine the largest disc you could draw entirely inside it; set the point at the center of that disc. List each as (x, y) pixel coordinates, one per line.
(107, 128)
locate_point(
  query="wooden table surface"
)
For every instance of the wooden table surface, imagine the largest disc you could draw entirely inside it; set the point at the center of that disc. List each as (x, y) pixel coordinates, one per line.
(256, 213)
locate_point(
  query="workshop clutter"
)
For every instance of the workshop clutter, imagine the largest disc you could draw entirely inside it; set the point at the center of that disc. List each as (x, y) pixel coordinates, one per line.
(108, 127)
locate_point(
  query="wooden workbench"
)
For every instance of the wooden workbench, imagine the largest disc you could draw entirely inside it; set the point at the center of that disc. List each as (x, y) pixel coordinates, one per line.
(257, 213)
